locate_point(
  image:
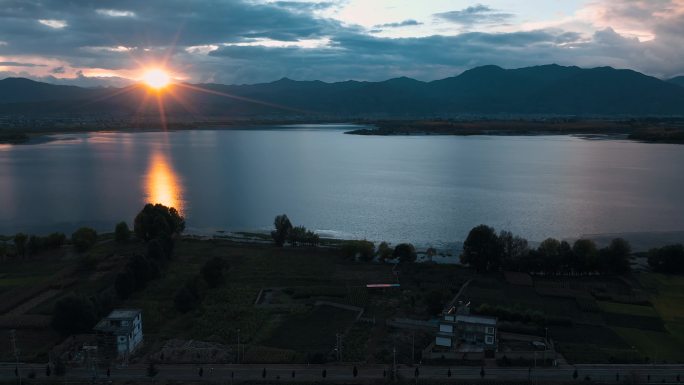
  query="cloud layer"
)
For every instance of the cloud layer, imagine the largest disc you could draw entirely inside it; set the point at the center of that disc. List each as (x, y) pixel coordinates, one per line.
(107, 41)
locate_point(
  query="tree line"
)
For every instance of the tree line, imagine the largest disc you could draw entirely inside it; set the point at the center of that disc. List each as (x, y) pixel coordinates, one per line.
(486, 250)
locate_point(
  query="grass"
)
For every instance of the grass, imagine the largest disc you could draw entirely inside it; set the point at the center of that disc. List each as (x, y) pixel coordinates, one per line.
(627, 309)
(657, 346)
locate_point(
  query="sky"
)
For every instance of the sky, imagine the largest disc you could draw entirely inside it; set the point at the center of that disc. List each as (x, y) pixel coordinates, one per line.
(110, 43)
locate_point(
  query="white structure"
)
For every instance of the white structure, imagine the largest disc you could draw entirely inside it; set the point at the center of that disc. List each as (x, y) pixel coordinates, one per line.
(466, 331)
(125, 326)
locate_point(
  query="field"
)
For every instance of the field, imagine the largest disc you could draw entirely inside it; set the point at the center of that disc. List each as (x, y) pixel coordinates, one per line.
(590, 319)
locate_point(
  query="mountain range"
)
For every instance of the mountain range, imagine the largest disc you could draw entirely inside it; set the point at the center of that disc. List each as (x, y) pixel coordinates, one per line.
(486, 90)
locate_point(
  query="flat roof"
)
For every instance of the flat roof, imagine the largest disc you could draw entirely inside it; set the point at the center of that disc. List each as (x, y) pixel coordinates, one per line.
(124, 313)
(476, 319)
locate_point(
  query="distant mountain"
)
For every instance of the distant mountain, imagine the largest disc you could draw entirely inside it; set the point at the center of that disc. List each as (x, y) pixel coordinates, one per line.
(487, 90)
(679, 80)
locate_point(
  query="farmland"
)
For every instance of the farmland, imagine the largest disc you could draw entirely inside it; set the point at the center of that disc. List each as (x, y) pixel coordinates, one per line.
(279, 300)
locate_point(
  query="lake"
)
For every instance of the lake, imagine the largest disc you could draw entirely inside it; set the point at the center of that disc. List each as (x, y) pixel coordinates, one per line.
(425, 189)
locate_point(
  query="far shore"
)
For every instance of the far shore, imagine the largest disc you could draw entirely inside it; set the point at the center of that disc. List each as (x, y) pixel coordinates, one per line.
(647, 130)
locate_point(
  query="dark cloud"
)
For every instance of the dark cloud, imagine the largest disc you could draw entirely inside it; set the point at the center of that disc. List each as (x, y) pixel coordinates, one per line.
(476, 14)
(17, 64)
(405, 23)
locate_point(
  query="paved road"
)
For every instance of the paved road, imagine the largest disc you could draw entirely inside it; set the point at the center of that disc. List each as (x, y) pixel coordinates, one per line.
(603, 373)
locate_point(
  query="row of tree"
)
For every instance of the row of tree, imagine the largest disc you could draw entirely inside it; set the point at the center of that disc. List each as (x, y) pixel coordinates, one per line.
(295, 236)
(485, 250)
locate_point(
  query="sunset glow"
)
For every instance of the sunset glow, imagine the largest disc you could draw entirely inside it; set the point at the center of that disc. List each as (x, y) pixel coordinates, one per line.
(156, 78)
(162, 184)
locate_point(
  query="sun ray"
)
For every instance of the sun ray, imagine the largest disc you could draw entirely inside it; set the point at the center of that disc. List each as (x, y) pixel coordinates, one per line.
(241, 98)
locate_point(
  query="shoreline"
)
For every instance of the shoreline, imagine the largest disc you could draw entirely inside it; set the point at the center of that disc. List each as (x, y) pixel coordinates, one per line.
(664, 131)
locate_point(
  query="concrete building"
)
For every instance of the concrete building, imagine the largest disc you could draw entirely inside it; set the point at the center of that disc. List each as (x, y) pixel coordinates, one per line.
(121, 331)
(464, 332)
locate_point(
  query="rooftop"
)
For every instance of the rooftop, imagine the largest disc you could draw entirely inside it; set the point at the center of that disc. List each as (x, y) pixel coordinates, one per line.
(118, 322)
(476, 319)
(124, 314)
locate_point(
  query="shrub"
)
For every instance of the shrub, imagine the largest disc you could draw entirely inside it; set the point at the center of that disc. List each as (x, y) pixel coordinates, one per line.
(84, 238)
(74, 315)
(121, 232)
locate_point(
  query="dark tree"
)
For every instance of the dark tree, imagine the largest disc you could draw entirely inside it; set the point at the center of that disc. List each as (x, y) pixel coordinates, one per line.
(156, 250)
(575, 375)
(324, 373)
(20, 240)
(83, 239)
(482, 372)
(200, 372)
(55, 240)
(212, 272)
(668, 259)
(152, 370)
(263, 373)
(124, 284)
(121, 232)
(363, 249)
(355, 371)
(586, 255)
(482, 249)
(185, 300)
(157, 221)
(405, 252)
(434, 302)
(384, 251)
(144, 270)
(513, 247)
(615, 257)
(282, 229)
(74, 315)
(449, 372)
(48, 370)
(416, 373)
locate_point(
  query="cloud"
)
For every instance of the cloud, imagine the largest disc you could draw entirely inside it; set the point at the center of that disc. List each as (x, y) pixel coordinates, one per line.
(405, 23)
(18, 64)
(473, 15)
(247, 41)
(53, 23)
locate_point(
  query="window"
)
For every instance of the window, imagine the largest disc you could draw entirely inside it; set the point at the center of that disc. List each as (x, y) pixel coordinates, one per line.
(489, 330)
(489, 340)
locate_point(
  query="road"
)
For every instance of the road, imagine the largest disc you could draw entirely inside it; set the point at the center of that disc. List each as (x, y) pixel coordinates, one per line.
(343, 373)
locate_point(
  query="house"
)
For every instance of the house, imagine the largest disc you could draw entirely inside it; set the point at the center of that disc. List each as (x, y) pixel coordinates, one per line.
(121, 331)
(462, 331)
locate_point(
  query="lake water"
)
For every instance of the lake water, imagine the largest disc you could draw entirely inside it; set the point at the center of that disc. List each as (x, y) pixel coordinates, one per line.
(425, 189)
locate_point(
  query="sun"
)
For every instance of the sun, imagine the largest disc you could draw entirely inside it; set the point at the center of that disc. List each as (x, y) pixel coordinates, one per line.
(156, 78)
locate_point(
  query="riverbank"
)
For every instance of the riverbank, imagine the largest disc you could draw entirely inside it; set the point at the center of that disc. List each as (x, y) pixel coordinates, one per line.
(645, 130)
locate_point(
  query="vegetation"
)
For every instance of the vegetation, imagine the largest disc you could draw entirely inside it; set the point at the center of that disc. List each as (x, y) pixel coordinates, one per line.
(121, 232)
(486, 251)
(158, 221)
(73, 315)
(212, 272)
(282, 229)
(363, 250)
(667, 259)
(300, 235)
(84, 238)
(405, 252)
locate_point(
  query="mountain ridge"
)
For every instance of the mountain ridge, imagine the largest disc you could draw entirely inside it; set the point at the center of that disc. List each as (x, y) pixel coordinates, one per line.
(488, 90)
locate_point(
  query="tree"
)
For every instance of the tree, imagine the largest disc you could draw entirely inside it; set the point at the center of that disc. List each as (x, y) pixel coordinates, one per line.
(549, 254)
(185, 300)
(282, 229)
(84, 238)
(385, 251)
(363, 249)
(74, 315)
(482, 249)
(615, 257)
(355, 371)
(212, 272)
(121, 232)
(124, 284)
(155, 221)
(143, 269)
(20, 240)
(152, 370)
(434, 302)
(513, 247)
(586, 255)
(667, 259)
(405, 252)
(482, 372)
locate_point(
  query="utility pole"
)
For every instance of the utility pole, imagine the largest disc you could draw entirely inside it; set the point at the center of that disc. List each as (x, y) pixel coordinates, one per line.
(338, 346)
(394, 363)
(413, 348)
(238, 349)
(13, 342)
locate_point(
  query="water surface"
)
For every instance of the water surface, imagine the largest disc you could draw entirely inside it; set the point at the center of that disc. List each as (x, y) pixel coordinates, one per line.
(426, 189)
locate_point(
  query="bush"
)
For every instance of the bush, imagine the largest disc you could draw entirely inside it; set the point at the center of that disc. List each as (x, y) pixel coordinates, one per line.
(84, 238)
(121, 232)
(212, 272)
(363, 249)
(405, 252)
(74, 315)
(668, 259)
(124, 284)
(185, 300)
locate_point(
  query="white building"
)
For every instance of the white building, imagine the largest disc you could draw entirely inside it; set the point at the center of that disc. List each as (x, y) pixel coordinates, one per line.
(465, 331)
(123, 329)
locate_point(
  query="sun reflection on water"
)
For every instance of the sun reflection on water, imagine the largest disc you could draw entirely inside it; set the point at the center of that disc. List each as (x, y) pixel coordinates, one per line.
(162, 183)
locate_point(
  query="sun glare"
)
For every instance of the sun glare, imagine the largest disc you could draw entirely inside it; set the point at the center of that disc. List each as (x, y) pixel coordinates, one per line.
(156, 78)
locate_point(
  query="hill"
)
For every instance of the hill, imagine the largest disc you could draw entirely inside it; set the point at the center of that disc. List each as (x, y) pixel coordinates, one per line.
(679, 80)
(481, 91)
